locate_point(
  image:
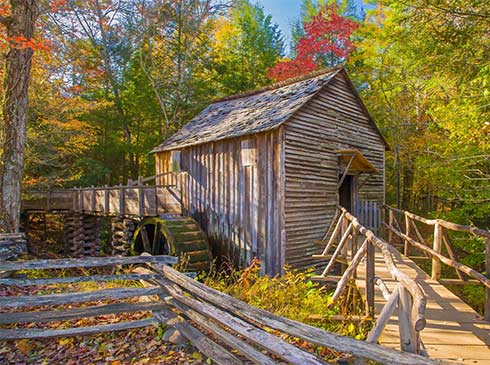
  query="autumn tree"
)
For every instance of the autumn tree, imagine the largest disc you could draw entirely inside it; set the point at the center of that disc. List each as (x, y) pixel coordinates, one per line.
(326, 43)
(18, 18)
(246, 44)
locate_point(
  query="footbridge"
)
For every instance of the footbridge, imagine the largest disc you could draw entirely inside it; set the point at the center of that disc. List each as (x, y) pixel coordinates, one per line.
(414, 311)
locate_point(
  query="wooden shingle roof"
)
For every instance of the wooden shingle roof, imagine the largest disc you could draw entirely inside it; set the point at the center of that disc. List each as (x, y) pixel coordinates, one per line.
(258, 111)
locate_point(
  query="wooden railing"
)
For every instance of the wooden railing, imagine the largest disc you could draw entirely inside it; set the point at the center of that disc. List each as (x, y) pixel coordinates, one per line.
(411, 236)
(347, 233)
(137, 198)
(180, 302)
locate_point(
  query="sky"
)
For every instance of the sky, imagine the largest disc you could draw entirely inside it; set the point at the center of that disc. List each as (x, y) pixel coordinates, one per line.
(284, 12)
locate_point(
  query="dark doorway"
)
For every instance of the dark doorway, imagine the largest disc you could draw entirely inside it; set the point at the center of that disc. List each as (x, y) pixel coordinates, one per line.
(345, 192)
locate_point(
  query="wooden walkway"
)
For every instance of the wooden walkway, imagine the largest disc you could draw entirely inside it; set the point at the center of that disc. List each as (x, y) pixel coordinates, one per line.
(454, 331)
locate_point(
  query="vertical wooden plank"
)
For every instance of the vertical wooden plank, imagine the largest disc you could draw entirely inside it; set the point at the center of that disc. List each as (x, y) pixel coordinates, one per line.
(437, 246)
(370, 273)
(240, 192)
(271, 218)
(407, 232)
(229, 194)
(487, 270)
(141, 197)
(107, 207)
(280, 187)
(122, 198)
(408, 338)
(390, 223)
(259, 194)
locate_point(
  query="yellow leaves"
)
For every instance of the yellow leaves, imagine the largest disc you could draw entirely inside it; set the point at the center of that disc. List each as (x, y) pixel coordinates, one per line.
(65, 341)
(23, 346)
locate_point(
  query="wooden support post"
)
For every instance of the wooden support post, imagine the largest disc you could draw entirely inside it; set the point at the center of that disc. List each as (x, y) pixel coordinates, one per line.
(487, 271)
(122, 202)
(107, 207)
(370, 276)
(141, 197)
(437, 246)
(94, 198)
(390, 223)
(408, 336)
(406, 245)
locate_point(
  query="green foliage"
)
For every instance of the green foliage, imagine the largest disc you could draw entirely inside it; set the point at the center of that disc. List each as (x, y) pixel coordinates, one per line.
(247, 43)
(292, 295)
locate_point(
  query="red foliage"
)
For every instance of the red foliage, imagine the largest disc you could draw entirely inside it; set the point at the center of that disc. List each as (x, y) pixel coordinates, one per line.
(326, 40)
(23, 42)
(289, 69)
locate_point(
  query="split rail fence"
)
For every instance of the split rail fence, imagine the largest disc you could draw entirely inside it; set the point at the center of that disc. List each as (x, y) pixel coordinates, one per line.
(222, 328)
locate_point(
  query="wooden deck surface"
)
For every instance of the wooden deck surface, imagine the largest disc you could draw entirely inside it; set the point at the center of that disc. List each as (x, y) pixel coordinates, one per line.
(454, 330)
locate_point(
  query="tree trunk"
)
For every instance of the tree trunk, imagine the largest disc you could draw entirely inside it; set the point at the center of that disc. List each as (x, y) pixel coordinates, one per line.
(20, 26)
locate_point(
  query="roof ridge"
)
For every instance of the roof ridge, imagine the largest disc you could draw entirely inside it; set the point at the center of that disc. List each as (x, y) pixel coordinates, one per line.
(277, 85)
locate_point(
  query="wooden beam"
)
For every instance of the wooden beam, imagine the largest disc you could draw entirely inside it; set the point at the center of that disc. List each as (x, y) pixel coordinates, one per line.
(294, 328)
(85, 262)
(383, 317)
(467, 270)
(437, 246)
(21, 333)
(204, 344)
(74, 279)
(74, 313)
(245, 329)
(66, 298)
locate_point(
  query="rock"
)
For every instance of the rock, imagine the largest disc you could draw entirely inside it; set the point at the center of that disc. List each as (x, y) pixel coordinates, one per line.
(174, 336)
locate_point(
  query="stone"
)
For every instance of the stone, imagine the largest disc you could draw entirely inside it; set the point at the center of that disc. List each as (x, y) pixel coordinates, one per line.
(174, 336)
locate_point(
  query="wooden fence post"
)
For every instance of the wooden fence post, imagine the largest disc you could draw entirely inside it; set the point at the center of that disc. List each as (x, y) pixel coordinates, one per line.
(107, 207)
(408, 337)
(390, 223)
(437, 246)
(141, 197)
(487, 272)
(370, 274)
(122, 203)
(94, 198)
(406, 245)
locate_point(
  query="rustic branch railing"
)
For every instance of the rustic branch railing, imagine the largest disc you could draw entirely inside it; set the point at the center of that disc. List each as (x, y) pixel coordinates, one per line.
(136, 198)
(407, 296)
(440, 239)
(181, 303)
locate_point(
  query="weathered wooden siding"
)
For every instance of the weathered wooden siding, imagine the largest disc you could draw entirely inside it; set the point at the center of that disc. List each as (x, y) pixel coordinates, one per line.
(332, 120)
(234, 190)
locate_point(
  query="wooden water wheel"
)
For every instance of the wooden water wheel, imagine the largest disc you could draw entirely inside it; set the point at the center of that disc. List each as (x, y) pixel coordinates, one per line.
(177, 236)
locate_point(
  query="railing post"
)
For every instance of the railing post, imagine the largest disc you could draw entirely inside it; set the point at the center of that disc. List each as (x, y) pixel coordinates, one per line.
(408, 337)
(94, 198)
(370, 274)
(407, 232)
(107, 207)
(141, 197)
(437, 246)
(487, 272)
(390, 223)
(121, 200)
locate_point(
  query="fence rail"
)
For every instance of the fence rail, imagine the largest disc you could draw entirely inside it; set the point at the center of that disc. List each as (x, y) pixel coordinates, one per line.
(411, 236)
(137, 198)
(180, 302)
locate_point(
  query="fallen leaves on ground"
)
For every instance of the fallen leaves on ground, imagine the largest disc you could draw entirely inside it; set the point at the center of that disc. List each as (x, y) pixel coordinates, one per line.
(135, 346)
